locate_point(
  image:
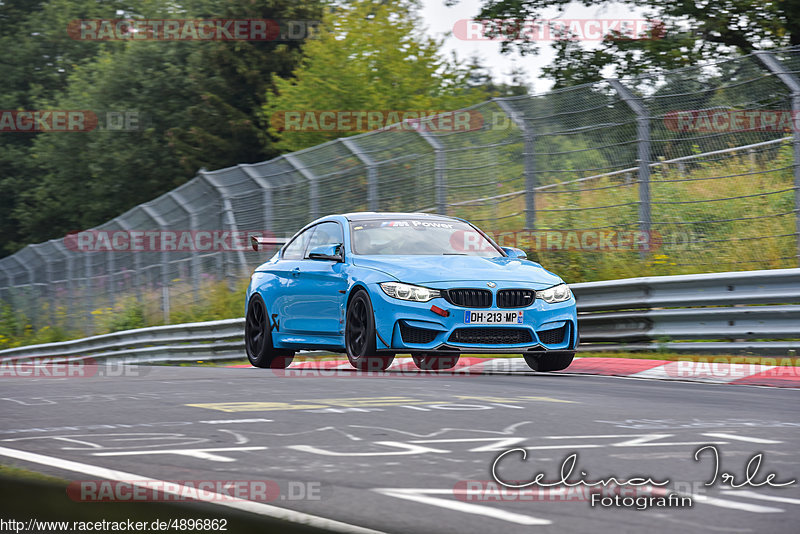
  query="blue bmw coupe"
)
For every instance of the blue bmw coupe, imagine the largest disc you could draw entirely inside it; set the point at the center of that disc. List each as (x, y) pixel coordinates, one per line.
(377, 284)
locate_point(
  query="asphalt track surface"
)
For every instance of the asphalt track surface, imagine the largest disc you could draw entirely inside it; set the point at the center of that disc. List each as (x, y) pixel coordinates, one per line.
(393, 453)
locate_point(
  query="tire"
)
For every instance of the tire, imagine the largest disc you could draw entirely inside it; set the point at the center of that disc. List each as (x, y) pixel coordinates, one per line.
(359, 335)
(435, 362)
(258, 338)
(549, 361)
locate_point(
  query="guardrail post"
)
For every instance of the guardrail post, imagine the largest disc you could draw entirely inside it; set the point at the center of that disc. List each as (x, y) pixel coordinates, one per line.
(775, 67)
(313, 189)
(643, 144)
(440, 162)
(372, 172)
(530, 163)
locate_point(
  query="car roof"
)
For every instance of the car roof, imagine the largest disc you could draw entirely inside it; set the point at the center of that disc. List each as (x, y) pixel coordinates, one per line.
(372, 215)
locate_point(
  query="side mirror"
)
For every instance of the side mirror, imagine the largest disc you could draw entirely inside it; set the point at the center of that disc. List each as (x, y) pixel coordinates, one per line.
(330, 252)
(515, 253)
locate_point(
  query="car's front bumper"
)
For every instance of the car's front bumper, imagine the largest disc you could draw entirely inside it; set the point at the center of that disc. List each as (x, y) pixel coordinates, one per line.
(412, 327)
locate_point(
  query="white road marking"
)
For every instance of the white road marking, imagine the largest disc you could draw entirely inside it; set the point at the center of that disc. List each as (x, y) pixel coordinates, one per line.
(422, 496)
(739, 438)
(202, 454)
(407, 449)
(636, 440)
(754, 495)
(498, 444)
(232, 421)
(217, 499)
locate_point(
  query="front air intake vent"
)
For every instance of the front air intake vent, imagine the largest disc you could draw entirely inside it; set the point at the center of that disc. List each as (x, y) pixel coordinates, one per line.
(469, 298)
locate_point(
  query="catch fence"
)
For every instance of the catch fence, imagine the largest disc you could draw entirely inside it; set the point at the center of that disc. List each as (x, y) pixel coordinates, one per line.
(688, 171)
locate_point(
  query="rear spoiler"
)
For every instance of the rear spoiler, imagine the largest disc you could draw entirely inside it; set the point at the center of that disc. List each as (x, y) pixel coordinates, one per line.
(266, 242)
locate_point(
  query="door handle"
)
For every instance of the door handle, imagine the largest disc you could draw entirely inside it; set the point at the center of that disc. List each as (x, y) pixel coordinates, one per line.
(295, 272)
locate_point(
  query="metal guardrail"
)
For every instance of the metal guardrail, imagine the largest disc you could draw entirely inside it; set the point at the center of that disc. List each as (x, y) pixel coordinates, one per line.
(212, 340)
(749, 311)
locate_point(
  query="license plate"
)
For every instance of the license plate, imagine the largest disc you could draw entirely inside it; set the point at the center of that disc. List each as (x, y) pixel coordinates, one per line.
(492, 317)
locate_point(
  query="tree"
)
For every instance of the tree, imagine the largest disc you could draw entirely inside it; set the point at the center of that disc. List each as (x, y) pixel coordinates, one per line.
(684, 33)
(38, 58)
(369, 56)
(198, 105)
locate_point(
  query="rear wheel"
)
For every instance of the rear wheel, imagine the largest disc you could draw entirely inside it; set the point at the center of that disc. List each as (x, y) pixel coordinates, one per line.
(258, 338)
(549, 361)
(359, 336)
(435, 362)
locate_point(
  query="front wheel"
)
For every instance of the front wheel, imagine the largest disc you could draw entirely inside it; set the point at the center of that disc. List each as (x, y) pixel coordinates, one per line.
(549, 361)
(359, 336)
(258, 338)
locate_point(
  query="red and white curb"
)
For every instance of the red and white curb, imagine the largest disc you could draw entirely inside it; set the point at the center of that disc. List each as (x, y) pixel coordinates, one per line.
(700, 371)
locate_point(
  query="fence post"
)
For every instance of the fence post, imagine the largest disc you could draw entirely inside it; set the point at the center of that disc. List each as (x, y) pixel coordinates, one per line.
(440, 178)
(181, 202)
(70, 283)
(266, 192)
(643, 144)
(775, 67)
(372, 172)
(45, 296)
(137, 267)
(528, 157)
(162, 224)
(89, 293)
(313, 189)
(231, 219)
(110, 267)
(7, 289)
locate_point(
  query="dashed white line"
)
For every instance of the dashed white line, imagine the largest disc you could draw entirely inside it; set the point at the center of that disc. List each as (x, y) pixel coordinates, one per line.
(421, 495)
(217, 499)
(202, 454)
(739, 438)
(763, 497)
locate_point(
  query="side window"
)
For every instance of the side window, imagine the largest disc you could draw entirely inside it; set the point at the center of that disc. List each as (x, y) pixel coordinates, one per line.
(327, 233)
(296, 249)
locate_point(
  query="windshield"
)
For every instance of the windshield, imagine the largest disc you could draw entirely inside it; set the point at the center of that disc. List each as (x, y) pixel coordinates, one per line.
(418, 237)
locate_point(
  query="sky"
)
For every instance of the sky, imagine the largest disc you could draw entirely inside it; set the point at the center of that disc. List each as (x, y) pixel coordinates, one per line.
(439, 21)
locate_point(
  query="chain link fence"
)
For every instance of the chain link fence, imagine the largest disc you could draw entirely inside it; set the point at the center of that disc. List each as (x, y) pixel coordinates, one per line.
(695, 170)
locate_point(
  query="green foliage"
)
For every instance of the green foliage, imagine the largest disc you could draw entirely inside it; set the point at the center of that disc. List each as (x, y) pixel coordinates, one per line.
(689, 237)
(683, 34)
(198, 105)
(369, 56)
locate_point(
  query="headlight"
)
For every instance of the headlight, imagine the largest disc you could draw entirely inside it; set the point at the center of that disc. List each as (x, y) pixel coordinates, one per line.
(408, 292)
(554, 294)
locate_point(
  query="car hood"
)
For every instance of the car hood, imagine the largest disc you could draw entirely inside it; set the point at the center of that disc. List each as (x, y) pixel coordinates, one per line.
(432, 269)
